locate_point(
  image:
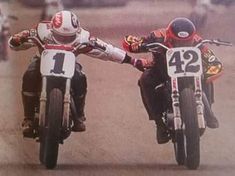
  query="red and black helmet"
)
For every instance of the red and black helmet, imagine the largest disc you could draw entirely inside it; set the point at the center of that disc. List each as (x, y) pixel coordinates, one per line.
(180, 32)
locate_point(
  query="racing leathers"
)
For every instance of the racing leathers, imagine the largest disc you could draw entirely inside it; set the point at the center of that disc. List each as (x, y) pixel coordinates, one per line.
(155, 73)
(32, 78)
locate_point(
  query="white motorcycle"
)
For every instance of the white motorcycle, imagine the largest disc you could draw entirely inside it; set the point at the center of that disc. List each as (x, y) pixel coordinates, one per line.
(183, 106)
(56, 109)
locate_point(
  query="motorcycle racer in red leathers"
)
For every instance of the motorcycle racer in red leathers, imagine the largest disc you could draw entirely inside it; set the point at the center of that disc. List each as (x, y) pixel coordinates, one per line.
(155, 71)
(65, 29)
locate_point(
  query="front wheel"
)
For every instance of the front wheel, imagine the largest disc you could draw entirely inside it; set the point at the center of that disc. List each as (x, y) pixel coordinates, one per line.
(191, 132)
(179, 147)
(50, 142)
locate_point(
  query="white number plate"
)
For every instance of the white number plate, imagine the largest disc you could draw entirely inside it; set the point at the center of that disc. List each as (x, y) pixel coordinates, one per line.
(184, 61)
(57, 63)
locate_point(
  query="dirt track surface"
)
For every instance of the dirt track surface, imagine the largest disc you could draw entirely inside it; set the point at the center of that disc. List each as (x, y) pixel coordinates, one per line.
(119, 139)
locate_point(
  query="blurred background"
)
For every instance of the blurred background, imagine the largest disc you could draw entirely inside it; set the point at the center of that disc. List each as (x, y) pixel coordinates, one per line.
(119, 139)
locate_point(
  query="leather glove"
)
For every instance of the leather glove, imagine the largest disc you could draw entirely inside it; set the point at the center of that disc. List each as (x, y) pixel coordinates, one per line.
(20, 38)
(132, 43)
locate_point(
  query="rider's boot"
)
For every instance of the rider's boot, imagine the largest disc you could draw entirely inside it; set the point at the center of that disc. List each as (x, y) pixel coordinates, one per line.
(162, 132)
(27, 126)
(29, 102)
(78, 121)
(211, 120)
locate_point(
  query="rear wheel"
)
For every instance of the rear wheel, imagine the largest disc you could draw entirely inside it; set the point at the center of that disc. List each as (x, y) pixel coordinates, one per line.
(192, 132)
(51, 140)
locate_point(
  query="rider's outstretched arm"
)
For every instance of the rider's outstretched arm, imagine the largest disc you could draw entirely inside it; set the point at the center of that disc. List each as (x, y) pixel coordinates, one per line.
(19, 41)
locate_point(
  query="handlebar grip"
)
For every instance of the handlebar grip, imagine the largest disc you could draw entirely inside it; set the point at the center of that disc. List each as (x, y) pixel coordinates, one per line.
(221, 42)
(144, 47)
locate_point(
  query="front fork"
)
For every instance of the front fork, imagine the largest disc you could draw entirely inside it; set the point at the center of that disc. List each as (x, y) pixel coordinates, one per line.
(200, 107)
(176, 104)
(178, 125)
(67, 103)
(43, 100)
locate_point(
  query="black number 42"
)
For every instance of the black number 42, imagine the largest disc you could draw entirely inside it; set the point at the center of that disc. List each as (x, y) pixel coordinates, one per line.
(178, 63)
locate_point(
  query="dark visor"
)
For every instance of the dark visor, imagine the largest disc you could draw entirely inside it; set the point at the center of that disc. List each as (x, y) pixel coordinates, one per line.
(64, 39)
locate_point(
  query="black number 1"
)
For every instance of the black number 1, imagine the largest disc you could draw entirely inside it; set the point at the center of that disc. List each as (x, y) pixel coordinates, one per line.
(59, 62)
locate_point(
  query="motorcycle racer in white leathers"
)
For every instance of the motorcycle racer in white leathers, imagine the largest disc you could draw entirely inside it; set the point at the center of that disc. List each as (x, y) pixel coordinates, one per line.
(64, 28)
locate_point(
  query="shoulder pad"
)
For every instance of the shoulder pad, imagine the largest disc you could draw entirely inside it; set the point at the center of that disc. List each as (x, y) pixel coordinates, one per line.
(43, 30)
(197, 38)
(160, 33)
(82, 37)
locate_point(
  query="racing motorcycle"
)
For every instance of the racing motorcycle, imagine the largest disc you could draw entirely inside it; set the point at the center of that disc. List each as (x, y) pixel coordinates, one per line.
(184, 109)
(56, 109)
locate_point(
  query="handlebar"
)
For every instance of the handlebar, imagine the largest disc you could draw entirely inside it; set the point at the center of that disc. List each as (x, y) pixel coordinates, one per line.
(35, 40)
(218, 42)
(152, 47)
(72, 48)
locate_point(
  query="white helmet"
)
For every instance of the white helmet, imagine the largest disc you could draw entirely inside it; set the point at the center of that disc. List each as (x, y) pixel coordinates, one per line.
(65, 26)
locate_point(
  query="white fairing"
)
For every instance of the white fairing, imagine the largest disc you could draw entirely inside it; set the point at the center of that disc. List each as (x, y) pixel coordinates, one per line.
(57, 63)
(184, 62)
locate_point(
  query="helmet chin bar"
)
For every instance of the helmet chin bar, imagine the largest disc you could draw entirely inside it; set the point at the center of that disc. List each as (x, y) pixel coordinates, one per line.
(63, 39)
